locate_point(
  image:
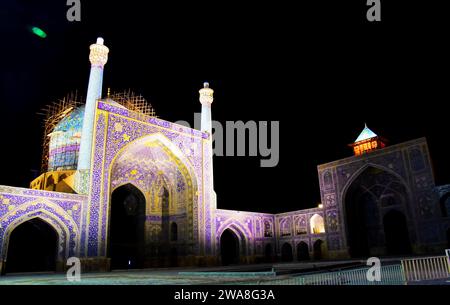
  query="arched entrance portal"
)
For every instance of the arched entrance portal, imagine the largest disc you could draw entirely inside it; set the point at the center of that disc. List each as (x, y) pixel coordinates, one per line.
(126, 228)
(286, 253)
(302, 251)
(396, 233)
(33, 247)
(229, 247)
(373, 189)
(161, 171)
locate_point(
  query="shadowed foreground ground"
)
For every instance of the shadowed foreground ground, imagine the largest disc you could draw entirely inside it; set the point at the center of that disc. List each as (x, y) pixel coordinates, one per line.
(171, 276)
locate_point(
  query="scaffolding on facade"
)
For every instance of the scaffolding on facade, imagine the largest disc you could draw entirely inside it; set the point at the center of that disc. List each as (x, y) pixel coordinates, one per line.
(56, 111)
(53, 114)
(133, 102)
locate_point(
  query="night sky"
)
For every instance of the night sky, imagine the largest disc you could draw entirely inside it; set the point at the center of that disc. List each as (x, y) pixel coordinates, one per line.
(320, 68)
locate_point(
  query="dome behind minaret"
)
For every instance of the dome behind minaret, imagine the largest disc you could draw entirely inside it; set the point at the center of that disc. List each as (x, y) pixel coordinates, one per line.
(63, 126)
(65, 141)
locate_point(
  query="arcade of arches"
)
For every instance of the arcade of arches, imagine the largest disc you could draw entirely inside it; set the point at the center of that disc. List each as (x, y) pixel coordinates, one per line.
(153, 207)
(303, 252)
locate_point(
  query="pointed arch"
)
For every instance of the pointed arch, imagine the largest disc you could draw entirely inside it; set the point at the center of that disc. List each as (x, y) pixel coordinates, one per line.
(67, 237)
(242, 233)
(159, 139)
(125, 183)
(163, 140)
(241, 228)
(319, 249)
(160, 189)
(126, 228)
(362, 169)
(174, 161)
(287, 254)
(176, 158)
(317, 224)
(32, 247)
(370, 189)
(302, 251)
(230, 247)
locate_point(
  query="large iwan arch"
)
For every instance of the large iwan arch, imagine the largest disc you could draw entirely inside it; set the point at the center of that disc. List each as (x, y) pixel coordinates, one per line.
(166, 179)
(367, 196)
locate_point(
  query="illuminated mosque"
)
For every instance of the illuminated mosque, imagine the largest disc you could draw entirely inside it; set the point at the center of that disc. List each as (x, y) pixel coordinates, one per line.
(124, 189)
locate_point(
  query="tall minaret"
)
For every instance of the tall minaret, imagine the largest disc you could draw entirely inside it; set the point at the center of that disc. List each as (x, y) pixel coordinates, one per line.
(207, 246)
(206, 99)
(98, 58)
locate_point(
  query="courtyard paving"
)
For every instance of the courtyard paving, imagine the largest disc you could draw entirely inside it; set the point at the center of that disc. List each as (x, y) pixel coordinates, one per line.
(192, 276)
(114, 278)
(167, 276)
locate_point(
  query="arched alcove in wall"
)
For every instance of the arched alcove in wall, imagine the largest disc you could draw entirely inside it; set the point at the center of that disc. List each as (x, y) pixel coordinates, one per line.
(317, 224)
(302, 251)
(32, 247)
(286, 252)
(229, 247)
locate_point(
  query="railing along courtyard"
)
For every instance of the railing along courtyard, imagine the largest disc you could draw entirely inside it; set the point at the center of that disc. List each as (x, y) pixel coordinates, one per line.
(427, 268)
(390, 275)
(410, 270)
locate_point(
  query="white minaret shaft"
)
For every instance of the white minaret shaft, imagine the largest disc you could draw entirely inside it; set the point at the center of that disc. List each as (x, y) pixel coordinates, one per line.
(206, 99)
(98, 58)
